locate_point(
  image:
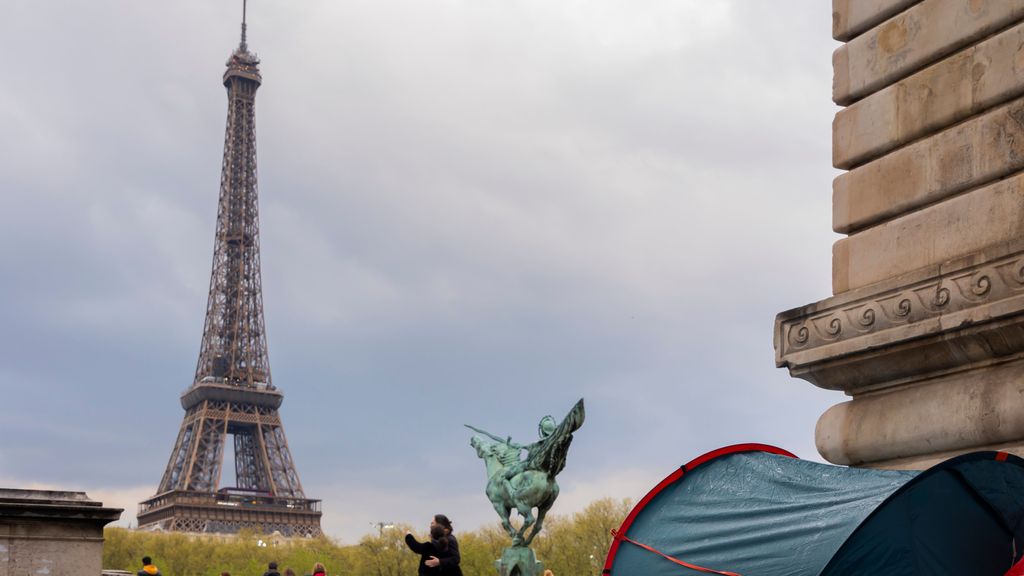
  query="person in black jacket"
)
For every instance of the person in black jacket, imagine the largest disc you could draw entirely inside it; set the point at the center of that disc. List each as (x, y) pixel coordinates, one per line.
(450, 562)
(427, 550)
(272, 570)
(436, 555)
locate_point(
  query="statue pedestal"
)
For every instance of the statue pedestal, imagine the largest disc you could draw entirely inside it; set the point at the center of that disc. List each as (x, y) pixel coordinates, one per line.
(518, 561)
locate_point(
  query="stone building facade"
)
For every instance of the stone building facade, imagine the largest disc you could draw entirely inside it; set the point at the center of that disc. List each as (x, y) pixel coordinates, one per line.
(925, 327)
(51, 533)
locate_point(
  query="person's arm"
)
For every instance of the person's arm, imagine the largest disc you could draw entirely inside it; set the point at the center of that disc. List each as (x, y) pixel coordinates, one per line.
(415, 545)
(453, 547)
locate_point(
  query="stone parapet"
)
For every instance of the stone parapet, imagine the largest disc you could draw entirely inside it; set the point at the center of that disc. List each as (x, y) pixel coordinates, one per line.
(52, 533)
(969, 82)
(912, 40)
(970, 154)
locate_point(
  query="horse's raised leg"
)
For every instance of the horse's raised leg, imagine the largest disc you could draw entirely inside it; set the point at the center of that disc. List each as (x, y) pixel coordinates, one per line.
(528, 520)
(542, 510)
(540, 522)
(504, 512)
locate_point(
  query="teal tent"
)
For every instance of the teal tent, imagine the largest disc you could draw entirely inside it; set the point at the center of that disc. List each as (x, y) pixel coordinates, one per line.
(757, 510)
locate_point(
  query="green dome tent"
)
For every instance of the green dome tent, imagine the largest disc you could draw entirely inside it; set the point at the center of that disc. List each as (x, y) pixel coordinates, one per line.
(757, 510)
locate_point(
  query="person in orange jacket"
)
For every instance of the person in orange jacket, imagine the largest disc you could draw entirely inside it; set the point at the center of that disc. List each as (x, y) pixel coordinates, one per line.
(148, 569)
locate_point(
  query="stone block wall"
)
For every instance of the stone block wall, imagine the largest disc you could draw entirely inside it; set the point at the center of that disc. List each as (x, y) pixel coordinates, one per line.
(925, 327)
(51, 533)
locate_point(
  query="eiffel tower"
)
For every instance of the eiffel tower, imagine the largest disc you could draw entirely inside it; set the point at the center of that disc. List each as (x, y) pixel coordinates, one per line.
(232, 394)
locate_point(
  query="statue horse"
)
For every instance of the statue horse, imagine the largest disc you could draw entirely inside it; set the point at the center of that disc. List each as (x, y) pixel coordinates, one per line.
(522, 485)
(523, 492)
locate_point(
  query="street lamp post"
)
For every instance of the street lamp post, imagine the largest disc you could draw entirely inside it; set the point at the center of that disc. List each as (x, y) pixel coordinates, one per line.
(381, 526)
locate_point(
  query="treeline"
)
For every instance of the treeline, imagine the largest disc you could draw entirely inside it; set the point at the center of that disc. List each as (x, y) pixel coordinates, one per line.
(569, 546)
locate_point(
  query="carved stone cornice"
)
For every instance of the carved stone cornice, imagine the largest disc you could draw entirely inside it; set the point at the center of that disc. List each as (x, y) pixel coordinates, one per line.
(929, 322)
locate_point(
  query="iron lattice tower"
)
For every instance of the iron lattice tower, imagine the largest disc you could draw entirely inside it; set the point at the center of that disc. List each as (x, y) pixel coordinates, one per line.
(232, 393)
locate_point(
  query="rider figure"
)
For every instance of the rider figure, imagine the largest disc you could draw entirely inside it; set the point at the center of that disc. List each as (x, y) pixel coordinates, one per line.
(509, 457)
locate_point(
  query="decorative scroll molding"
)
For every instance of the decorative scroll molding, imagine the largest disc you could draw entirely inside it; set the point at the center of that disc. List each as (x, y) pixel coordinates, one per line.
(957, 291)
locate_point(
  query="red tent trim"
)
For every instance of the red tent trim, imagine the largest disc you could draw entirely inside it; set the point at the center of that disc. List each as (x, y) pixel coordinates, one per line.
(676, 476)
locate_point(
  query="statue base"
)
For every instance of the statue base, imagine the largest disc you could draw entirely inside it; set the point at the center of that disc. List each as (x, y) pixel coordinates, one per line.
(518, 561)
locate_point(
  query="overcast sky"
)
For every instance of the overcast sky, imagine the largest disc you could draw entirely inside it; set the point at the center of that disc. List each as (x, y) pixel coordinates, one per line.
(471, 211)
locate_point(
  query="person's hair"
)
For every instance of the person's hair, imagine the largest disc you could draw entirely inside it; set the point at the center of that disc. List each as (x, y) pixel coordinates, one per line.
(289, 572)
(225, 574)
(272, 565)
(443, 521)
(440, 538)
(146, 560)
(318, 568)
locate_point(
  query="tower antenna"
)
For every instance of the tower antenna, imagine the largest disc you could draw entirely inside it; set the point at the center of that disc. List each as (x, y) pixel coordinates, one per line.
(243, 45)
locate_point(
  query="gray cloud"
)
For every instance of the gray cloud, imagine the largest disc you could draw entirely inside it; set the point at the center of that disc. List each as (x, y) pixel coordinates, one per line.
(597, 199)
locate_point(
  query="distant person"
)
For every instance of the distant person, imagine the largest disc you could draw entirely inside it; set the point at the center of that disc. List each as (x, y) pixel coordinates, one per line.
(450, 562)
(272, 570)
(441, 554)
(319, 570)
(148, 569)
(430, 551)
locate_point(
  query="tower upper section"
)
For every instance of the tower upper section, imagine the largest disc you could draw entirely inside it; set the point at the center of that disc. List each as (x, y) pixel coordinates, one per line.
(234, 346)
(242, 65)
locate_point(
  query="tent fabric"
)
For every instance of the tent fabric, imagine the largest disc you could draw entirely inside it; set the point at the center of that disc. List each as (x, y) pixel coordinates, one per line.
(753, 510)
(753, 513)
(963, 516)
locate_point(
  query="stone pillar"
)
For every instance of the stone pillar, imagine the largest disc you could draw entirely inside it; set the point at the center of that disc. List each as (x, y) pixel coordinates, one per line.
(925, 328)
(52, 533)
